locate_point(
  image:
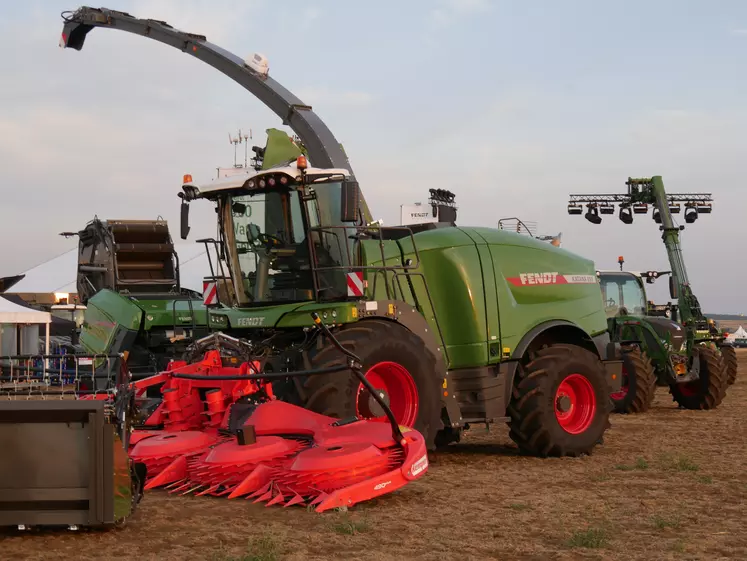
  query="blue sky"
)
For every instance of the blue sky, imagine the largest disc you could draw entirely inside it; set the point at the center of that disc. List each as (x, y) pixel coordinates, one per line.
(511, 105)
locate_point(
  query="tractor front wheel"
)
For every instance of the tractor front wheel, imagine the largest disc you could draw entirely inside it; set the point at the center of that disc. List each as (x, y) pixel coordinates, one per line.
(709, 389)
(729, 355)
(395, 361)
(560, 404)
(638, 383)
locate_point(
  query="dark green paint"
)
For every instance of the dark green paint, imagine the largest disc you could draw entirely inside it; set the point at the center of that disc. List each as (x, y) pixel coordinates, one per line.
(285, 316)
(108, 312)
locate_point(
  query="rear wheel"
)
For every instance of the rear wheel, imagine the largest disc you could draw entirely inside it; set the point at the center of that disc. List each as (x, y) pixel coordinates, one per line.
(709, 389)
(560, 404)
(638, 383)
(395, 361)
(729, 355)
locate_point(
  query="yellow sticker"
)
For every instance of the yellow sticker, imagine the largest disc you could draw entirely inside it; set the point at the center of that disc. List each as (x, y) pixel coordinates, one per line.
(355, 312)
(404, 429)
(444, 386)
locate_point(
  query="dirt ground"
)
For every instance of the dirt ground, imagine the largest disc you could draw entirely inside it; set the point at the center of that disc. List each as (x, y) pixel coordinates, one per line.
(670, 484)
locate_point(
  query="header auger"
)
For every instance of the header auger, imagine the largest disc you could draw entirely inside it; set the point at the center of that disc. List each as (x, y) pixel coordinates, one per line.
(674, 345)
(221, 431)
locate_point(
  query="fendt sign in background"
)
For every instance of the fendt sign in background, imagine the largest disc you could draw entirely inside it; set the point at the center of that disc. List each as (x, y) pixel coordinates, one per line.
(416, 214)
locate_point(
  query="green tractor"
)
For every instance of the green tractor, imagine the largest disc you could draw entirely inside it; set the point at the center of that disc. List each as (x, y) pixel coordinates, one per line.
(455, 326)
(671, 345)
(128, 278)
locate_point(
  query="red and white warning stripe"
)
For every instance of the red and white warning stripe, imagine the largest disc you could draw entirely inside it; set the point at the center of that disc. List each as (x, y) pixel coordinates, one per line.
(209, 293)
(536, 279)
(355, 283)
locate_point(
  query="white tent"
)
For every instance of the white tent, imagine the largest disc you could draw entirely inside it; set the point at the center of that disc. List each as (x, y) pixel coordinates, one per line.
(738, 334)
(17, 321)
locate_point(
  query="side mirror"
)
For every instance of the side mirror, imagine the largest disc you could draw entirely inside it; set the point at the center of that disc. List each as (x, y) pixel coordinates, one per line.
(252, 232)
(672, 288)
(349, 201)
(185, 220)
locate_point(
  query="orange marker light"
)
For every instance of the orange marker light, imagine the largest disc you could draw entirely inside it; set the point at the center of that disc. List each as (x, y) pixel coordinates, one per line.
(620, 259)
(301, 162)
(187, 178)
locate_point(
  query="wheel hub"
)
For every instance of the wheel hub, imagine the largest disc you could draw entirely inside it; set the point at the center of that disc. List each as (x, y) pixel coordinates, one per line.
(373, 405)
(575, 404)
(396, 387)
(563, 403)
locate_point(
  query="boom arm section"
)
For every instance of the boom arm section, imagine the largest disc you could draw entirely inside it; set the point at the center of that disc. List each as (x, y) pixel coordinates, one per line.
(323, 148)
(650, 191)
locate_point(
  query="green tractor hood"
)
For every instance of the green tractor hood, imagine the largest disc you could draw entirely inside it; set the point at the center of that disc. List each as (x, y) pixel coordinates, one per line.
(111, 319)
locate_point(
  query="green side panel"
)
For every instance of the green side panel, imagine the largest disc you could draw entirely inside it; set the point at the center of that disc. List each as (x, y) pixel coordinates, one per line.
(530, 288)
(491, 304)
(454, 302)
(107, 312)
(293, 315)
(279, 149)
(240, 318)
(476, 297)
(170, 313)
(340, 312)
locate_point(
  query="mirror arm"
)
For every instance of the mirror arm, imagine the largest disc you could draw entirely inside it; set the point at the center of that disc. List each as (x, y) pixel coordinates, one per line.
(184, 226)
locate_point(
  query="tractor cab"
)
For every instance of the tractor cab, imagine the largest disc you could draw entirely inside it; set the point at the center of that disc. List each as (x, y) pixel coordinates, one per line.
(283, 233)
(623, 293)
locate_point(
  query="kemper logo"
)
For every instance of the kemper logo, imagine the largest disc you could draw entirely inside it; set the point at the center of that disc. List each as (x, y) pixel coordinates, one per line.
(552, 277)
(419, 214)
(419, 466)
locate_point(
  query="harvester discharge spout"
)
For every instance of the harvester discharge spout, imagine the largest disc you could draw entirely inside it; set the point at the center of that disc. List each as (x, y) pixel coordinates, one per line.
(252, 74)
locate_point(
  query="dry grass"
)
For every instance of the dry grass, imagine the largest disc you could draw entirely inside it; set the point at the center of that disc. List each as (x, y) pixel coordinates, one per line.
(670, 484)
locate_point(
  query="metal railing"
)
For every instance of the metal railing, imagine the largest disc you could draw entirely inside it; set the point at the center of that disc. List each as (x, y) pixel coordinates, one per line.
(60, 376)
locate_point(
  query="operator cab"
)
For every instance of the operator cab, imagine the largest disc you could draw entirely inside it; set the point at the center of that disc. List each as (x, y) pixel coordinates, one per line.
(623, 293)
(282, 233)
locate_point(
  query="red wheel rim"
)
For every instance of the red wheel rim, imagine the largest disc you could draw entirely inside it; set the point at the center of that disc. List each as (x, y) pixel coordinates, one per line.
(398, 386)
(575, 404)
(623, 388)
(690, 389)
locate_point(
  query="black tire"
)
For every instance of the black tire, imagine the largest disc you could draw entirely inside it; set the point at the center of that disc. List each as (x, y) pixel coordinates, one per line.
(375, 341)
(641, 379)
(708, 391)
(729, 355)
(534, 424)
